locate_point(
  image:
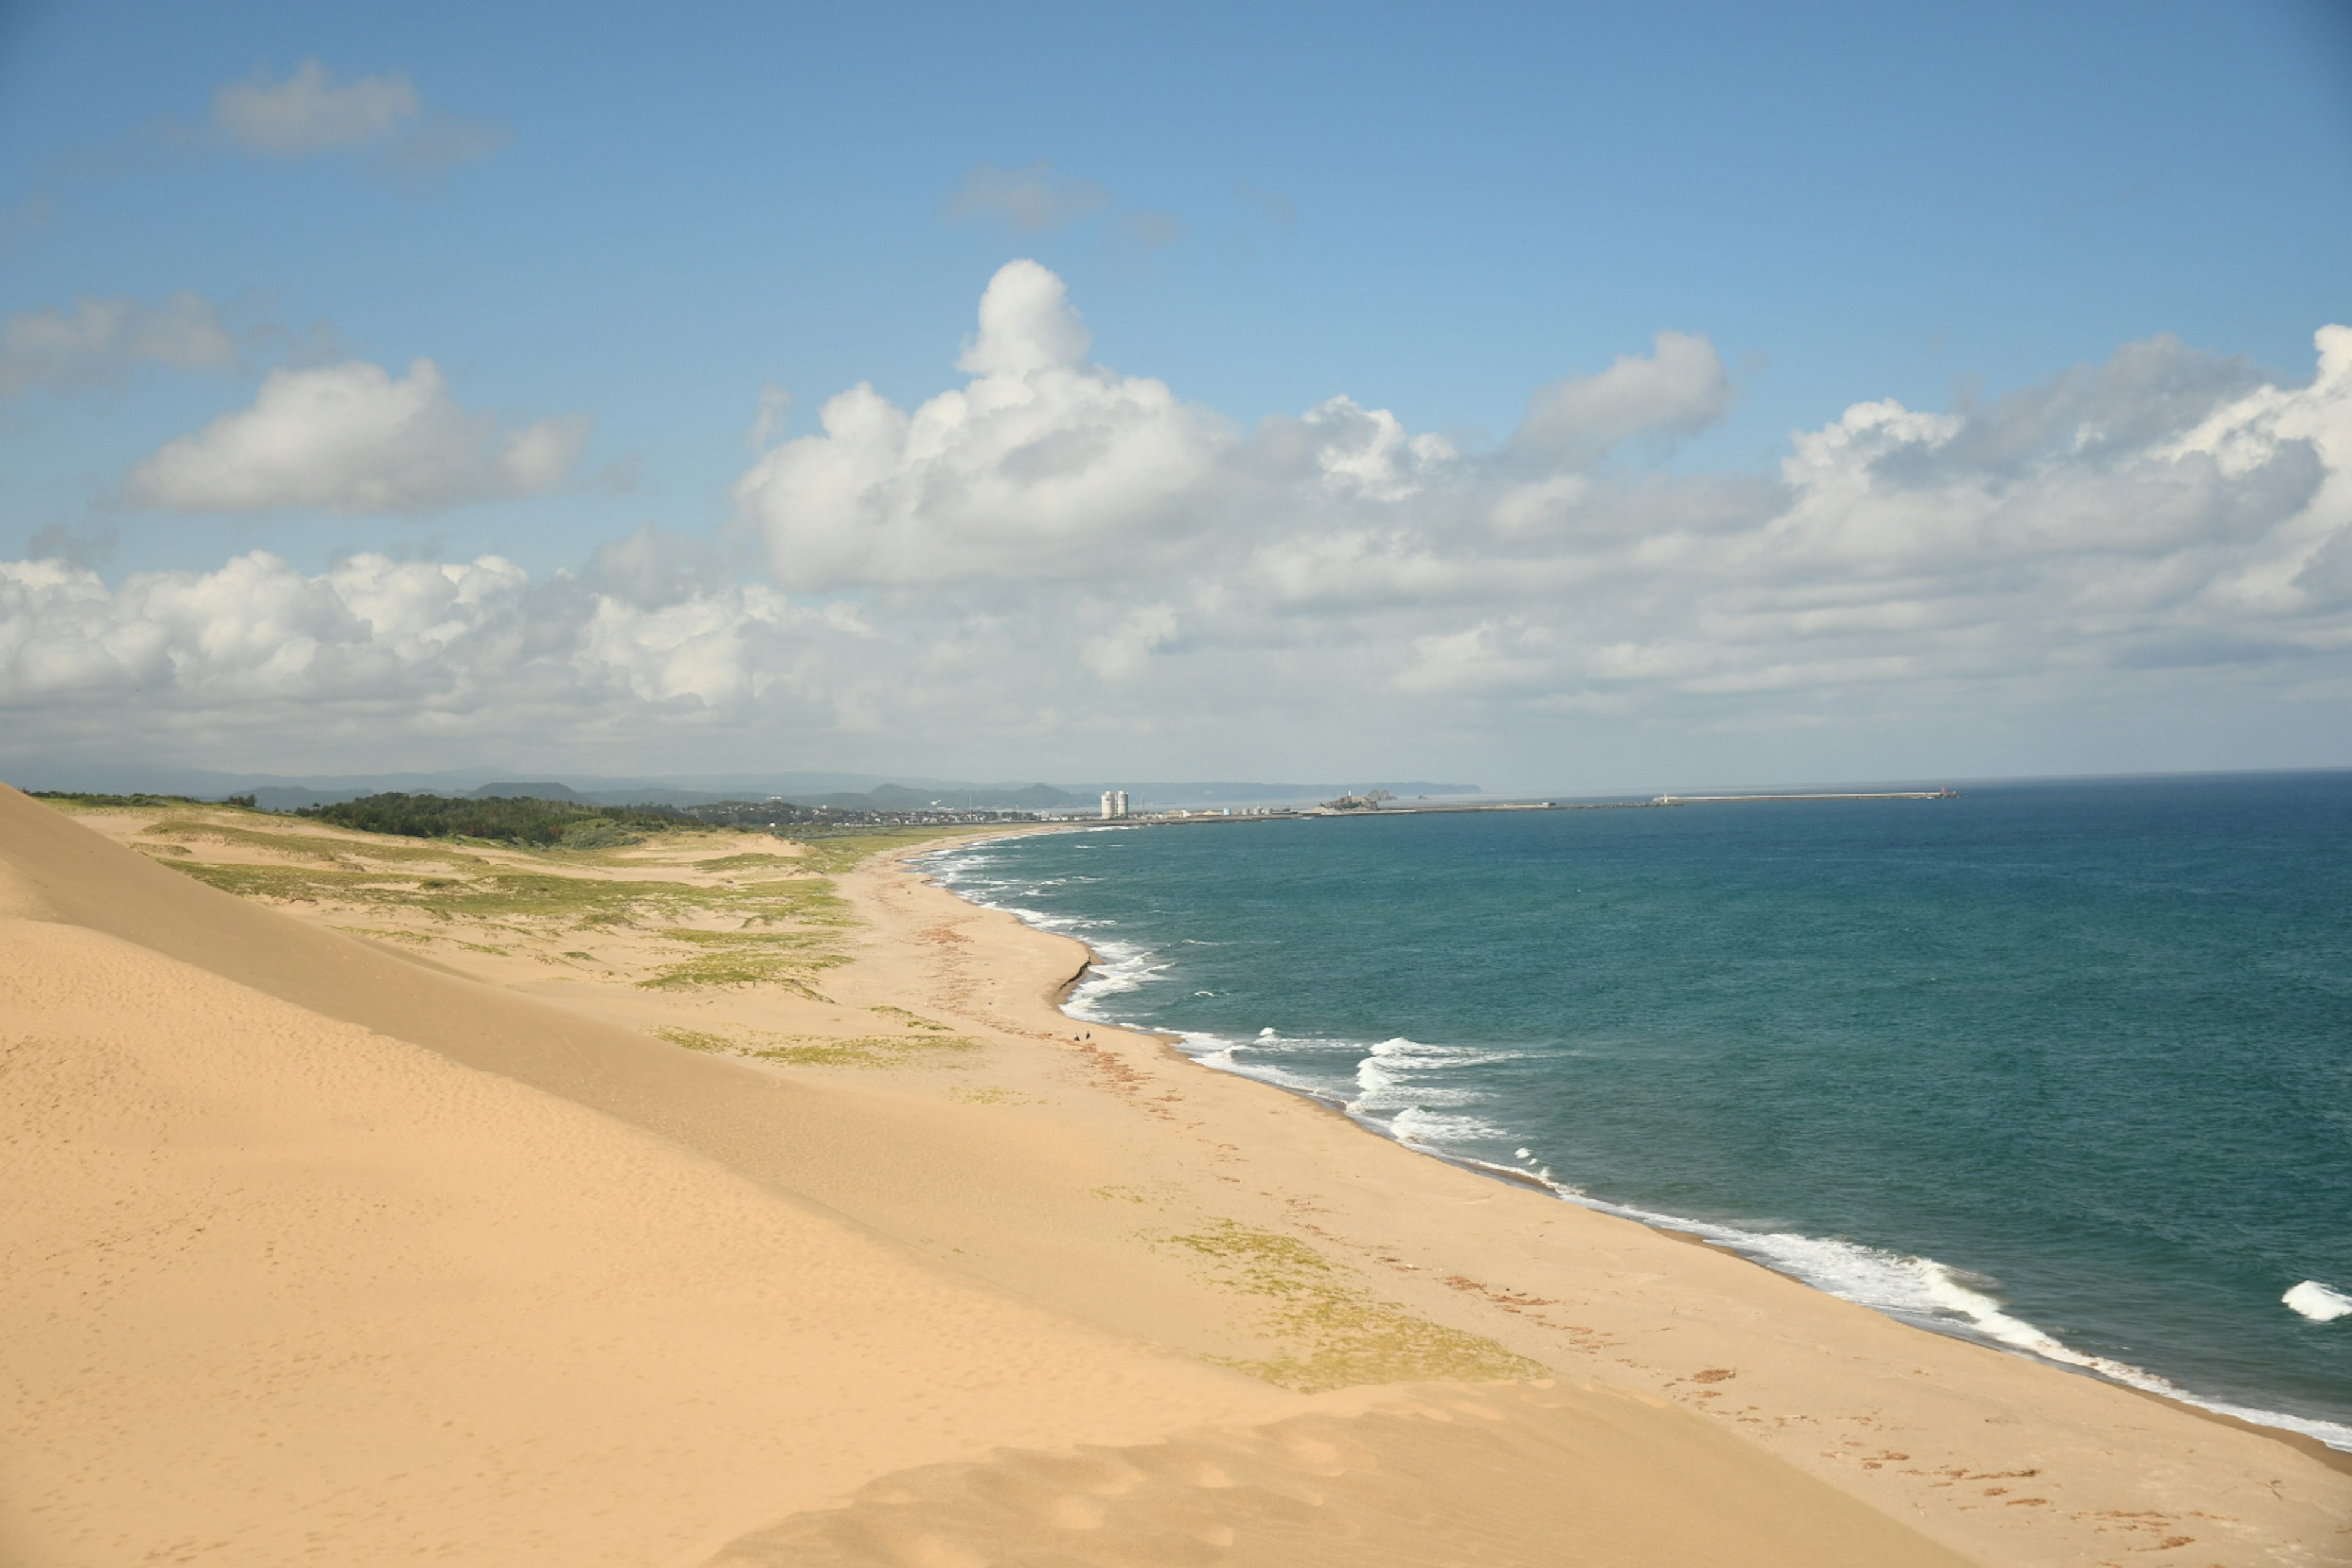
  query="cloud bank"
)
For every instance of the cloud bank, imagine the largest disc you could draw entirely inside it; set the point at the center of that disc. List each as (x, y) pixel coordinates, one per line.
(1057, 563)
(351, 438)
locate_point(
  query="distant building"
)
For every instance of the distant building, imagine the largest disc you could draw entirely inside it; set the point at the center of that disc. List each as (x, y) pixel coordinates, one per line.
(1114, 804)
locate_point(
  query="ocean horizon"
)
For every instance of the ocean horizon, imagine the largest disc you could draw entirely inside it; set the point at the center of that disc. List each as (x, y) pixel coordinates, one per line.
(2061, 1066)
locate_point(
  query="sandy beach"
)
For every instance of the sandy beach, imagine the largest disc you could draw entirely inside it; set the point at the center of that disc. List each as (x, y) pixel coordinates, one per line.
(717, 1201)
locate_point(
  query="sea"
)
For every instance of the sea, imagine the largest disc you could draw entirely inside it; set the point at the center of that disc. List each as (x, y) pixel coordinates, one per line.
(2061, 1066)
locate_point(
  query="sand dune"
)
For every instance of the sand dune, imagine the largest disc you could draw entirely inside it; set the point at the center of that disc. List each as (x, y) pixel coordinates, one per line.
(284, 1284)
(321, 1253)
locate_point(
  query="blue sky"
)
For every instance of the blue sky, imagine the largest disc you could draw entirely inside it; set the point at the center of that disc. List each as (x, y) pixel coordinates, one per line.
(634, 220)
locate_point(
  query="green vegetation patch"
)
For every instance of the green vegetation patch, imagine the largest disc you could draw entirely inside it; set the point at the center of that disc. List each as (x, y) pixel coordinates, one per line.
(83, 800)
(807, 898)
(578, 902)
(819, 1051)
(913, 1020)
(790, 959)
(500, 819)
(698, 1040)
(1344, 1335)
(750, 861)
(784, 932)
(300, 846)
(865, 1050)
(390, 933)
(581, 901)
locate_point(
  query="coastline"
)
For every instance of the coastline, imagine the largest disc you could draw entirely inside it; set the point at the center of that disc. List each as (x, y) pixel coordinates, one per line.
(2309, 1447)
(929, 1294)
(2131, 1379)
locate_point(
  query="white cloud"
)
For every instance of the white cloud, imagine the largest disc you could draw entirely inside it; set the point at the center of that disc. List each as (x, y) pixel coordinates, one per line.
(2168, 509)
(351, 438)
(1681, 386)
(1057, 568)
(422, 648)
(1040, 465)
(309, 111)
(101, 341)
(1028, 201)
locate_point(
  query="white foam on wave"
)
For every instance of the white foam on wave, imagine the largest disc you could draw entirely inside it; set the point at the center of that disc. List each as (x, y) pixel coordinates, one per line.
(1919, 1290)
(1225, 1054)
(1933, 1295)
(1118, 967)
(2320, 1303)
(1421, 1126)
(1403, 1082)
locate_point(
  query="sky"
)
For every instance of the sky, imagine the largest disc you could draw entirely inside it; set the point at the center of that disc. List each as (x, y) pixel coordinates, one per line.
(1560, 398)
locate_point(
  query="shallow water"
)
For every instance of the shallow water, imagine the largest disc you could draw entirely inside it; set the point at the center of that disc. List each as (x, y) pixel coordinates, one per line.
(2065, 1066)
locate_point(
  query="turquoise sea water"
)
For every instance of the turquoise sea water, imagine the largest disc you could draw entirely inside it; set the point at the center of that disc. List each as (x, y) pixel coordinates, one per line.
(2063, 1067)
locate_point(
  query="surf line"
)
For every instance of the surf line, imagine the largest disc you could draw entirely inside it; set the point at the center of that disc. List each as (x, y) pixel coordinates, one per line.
(1944, 1304)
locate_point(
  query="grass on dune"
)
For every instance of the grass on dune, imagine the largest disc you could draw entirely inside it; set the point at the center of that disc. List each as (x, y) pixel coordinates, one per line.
(911, 1020)
(783, 930)
(729, 958)
(578, 902)
(751, 862)
(784, 933)
(1335, 1333)
(320, 848)
(865, 1050)
(72, 801)
(823, 1050)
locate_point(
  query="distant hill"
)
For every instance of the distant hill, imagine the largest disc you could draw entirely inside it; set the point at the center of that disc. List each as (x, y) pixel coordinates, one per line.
(527, 792)
(840, 792)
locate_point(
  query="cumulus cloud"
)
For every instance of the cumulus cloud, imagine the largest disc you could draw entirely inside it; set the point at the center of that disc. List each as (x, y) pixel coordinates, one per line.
(1036, 465)
(1056, 559)
(2168, 509)
(1028, 201)
(310, 112)
(351, 438)
(101, 342)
